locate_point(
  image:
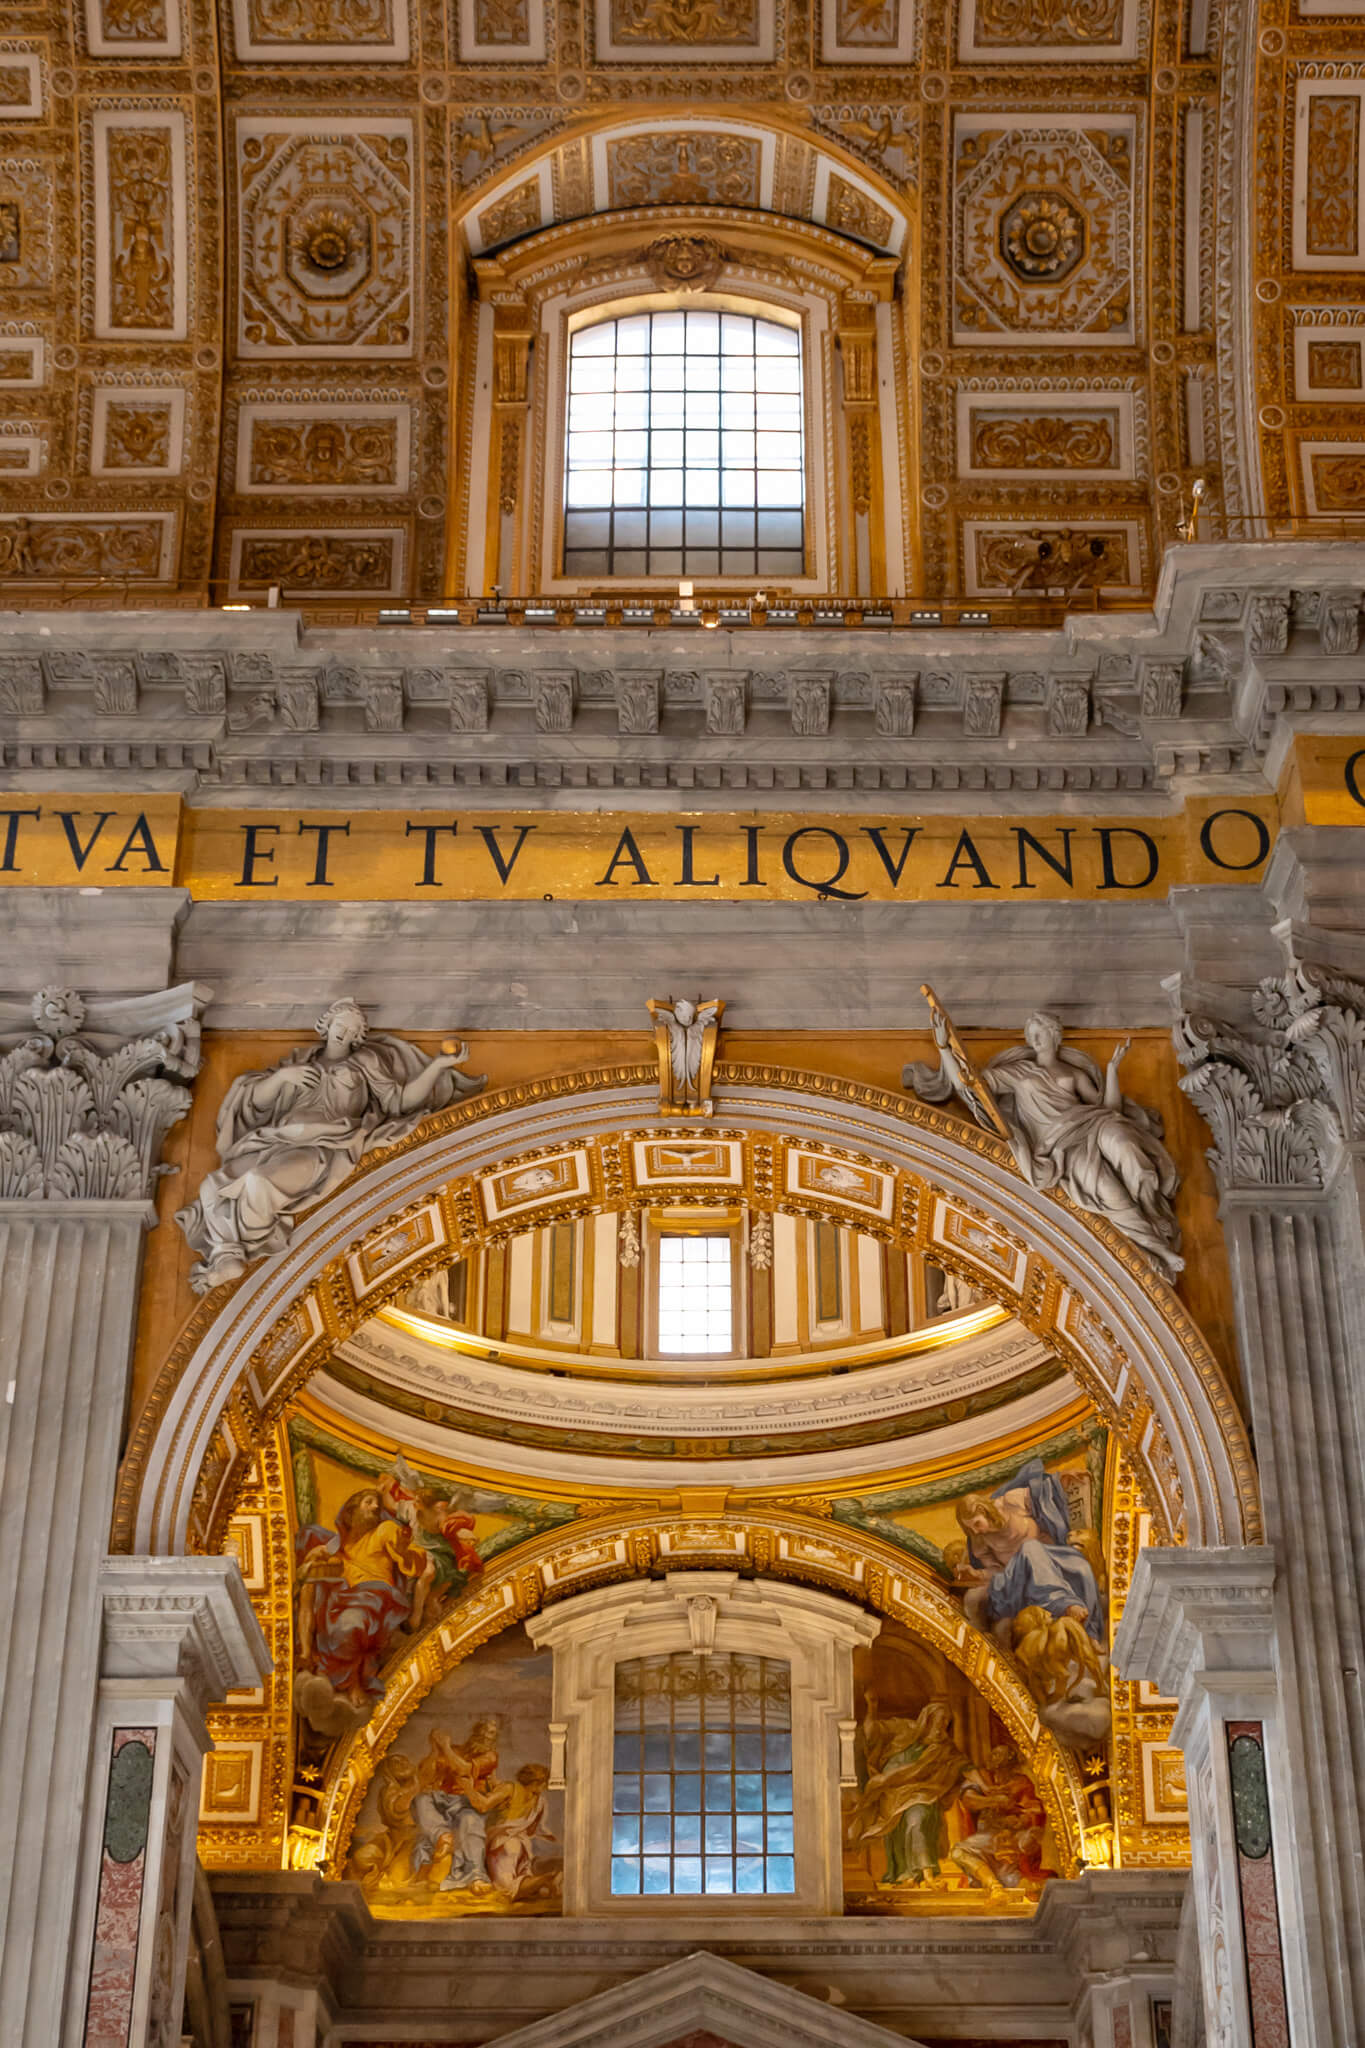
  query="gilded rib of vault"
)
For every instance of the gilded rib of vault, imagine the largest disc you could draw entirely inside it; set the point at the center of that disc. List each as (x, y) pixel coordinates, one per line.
(236, 246)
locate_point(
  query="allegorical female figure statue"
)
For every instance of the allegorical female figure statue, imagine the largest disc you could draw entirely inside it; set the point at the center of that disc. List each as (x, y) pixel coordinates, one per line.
(291, 1134)
(1069, 1126)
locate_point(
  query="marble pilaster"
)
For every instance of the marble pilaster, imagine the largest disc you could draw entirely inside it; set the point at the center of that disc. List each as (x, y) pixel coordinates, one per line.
(1201, 1626)
(1279, 1075)
(86, 1094)
(178, 1634)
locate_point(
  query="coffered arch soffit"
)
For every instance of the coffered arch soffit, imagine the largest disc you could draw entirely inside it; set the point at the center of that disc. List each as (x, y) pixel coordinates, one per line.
(941, 1187)
(674, 156)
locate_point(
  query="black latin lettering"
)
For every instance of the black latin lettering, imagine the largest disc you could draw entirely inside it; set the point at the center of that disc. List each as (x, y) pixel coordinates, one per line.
(1108, 834)
(965, 855)
(429, 880)
(1352, 772)
(324, 833)
(139, 840)
(252, 854)
(489, 836)
(895, 869)
(8, 864)
(688, 879)
(827, 886)
(81, 854)
(1237, 866)
(752, 879)
(1060, 864)
(627, 852)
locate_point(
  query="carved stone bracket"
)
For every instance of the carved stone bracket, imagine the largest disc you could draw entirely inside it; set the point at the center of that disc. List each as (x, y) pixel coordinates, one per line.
(87, 1094)
(1198, 1618)
(185, 1621)
(1284, 1093)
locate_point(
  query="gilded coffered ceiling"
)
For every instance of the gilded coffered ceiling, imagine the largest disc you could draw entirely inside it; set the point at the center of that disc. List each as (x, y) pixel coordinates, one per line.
(1120, 246)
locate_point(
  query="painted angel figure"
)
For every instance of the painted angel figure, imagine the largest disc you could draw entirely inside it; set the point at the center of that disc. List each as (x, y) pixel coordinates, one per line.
(1068, 1125)
(291, 1134)
(686, 1024)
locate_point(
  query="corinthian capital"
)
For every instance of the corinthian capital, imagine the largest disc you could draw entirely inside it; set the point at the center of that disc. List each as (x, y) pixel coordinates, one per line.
(1284, 1091)
(88, 1091)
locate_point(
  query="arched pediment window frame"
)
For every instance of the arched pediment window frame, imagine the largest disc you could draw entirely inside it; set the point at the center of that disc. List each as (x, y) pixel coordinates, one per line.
(533, 297)
(802, 1643)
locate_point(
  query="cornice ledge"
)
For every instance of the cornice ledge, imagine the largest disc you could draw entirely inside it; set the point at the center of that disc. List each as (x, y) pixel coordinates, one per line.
(1192, 1613)
(185, 1621)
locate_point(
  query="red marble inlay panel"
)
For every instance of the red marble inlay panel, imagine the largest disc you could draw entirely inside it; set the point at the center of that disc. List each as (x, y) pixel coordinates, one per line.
(1260, 1907)
(113, 1965)
(1123, 2027)
(1265, 1965)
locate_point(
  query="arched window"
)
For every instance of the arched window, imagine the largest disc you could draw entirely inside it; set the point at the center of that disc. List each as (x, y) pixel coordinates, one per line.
(702, 1729)
(702, 1775)
(685, 448)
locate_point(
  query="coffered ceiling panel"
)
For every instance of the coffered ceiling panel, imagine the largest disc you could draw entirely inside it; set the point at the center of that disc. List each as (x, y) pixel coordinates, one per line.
(235, 253)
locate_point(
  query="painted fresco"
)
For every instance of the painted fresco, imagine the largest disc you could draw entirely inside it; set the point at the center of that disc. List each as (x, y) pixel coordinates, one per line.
(1019, 1544)
(382, 1549)
(945, 1816)
(459, 1817)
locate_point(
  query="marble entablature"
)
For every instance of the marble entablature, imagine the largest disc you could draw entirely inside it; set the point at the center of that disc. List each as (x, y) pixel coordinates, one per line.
(1123, 703)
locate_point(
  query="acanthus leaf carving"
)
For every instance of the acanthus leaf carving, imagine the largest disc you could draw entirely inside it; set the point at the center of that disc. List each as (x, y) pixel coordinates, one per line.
(83, 1121)
(1284, 1096)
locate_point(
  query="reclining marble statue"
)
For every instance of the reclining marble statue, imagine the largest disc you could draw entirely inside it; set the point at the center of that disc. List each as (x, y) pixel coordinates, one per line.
(289, 1134)
(1067, 1124)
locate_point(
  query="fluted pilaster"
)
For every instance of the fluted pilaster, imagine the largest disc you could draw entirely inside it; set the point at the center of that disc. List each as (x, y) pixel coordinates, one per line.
(1280, 1077)
(86, 1095)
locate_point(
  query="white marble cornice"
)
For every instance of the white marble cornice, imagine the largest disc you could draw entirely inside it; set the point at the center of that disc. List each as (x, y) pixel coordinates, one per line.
(1194, 1614)
(1243, 640)
(180, 1622)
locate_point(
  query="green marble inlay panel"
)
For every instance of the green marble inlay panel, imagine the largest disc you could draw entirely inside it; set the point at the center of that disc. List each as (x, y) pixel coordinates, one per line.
(129, 1806)
(1250, 1802)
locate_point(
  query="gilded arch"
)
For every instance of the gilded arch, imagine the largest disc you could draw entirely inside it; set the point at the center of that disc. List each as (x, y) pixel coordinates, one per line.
(772, 1545)
(951, 1190)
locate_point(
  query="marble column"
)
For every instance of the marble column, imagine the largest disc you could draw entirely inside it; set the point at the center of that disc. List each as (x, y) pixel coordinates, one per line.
(1279, 1074)
(178, 1635)
(87, 1093)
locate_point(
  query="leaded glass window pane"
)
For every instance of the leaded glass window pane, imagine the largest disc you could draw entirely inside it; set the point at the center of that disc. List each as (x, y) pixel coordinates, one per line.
(676, 414)
(702, 1784)
(696, 1310)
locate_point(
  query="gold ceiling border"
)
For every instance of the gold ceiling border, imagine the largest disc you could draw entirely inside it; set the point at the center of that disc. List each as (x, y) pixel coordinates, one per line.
(358, 1276)
(596, 1553)
(1149, 1807)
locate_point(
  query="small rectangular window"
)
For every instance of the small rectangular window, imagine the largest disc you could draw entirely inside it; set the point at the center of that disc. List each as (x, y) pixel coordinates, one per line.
(702, 1794)
(696, 1308)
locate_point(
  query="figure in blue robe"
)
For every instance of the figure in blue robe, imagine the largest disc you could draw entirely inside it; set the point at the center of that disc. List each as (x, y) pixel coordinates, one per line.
(1020, 1540)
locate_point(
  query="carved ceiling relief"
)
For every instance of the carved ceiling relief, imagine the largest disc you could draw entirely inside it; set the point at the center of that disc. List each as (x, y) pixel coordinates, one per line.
(1311, 265)
(110, 333)
(1071, 383)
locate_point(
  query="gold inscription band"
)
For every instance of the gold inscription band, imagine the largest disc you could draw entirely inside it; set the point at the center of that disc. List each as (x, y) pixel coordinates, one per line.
(246, 855)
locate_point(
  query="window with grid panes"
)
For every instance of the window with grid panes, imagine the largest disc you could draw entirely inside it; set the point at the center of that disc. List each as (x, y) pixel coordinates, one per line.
(696, 1308)
(702, 1778)
(685, 448)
